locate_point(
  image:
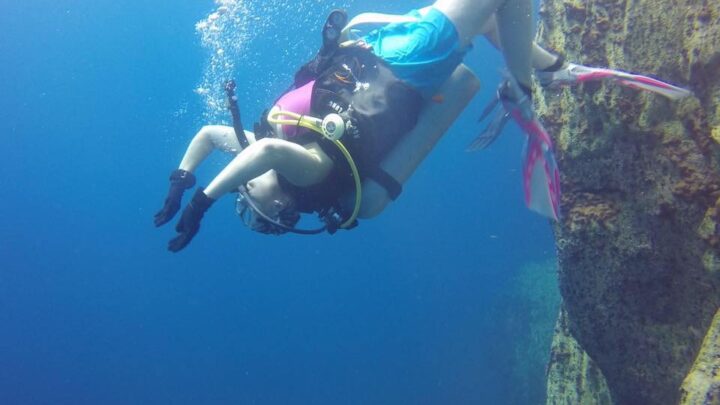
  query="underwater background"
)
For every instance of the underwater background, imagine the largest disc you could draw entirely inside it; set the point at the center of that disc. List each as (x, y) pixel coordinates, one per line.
(448, 297)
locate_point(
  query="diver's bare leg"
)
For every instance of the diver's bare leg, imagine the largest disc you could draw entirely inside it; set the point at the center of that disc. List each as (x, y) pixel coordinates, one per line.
(468, 16)
(300, 166)
(203, 143)
(209, 138)
(540, 58)
(515, 29)
(514, 23)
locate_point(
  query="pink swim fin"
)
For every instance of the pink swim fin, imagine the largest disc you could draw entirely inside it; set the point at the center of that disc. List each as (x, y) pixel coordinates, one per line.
(574, 73)
(541, 177)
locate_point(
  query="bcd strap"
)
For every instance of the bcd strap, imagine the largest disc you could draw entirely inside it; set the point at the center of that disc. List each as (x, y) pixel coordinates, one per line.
(388, 182)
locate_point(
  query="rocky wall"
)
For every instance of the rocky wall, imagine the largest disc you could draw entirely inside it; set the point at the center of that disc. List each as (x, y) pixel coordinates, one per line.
(702, 384)
(572, 376)
(639, 239)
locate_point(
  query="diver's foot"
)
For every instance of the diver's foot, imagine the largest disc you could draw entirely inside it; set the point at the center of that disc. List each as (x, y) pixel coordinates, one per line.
(334, 24)
(517, 101)
(561, 72)
(571, 73)
(516, 97)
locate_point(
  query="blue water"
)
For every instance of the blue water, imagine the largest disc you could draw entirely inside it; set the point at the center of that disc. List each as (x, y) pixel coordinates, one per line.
(98, 101)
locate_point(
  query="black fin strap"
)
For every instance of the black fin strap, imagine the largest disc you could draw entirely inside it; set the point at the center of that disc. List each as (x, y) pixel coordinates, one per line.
(559, 62)
(388, 182)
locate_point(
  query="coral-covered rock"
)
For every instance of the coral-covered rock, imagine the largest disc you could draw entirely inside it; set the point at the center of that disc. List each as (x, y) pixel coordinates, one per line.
(639, 241)
(702, 384)
(572, 376)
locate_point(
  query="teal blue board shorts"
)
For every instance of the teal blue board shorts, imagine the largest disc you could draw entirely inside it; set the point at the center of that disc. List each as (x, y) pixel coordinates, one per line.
(423, 53)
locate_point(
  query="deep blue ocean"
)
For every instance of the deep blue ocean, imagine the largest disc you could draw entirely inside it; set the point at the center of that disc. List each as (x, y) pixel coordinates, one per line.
(98, 101)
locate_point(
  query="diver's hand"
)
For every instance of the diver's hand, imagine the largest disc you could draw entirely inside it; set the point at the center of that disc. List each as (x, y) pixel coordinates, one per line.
(189, 223)
(180, 180)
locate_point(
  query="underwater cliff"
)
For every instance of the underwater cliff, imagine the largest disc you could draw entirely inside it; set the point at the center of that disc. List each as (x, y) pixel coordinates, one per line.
(639, 240)
(523, 314)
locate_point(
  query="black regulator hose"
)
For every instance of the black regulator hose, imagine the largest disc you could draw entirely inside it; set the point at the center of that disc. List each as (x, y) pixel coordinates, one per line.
(235, 112)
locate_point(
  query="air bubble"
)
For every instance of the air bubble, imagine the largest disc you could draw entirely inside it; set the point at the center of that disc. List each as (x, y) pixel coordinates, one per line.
(228, 31)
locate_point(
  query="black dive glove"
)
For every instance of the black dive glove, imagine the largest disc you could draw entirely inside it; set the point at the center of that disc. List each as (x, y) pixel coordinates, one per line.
(189, 223)
(180, 180)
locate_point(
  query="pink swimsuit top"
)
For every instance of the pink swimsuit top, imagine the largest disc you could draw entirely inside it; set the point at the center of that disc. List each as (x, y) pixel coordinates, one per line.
(297, 101)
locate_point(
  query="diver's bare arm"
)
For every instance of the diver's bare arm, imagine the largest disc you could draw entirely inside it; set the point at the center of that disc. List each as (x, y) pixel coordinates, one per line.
(299, 165)
(209, 138)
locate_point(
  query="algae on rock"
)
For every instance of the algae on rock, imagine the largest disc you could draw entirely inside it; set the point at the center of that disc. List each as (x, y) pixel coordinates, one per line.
(572, 376)
(639, 240)
(702, 384)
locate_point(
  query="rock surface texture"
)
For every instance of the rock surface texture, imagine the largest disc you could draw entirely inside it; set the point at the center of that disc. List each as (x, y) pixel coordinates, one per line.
(573, 377)
(702, 384)
(639, 241)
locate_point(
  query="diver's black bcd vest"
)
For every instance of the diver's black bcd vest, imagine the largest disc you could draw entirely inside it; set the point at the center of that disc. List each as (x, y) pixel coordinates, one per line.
(360, 86)
(356, 84)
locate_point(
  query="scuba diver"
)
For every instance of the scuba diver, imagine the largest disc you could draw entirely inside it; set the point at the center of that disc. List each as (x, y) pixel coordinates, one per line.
(362, 115)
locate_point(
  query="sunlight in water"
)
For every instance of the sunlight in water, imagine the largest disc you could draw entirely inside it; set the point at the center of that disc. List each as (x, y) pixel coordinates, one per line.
(230, 32)
(224, 33)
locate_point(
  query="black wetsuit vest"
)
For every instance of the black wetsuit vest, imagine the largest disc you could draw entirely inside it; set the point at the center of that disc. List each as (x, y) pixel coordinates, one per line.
(361, 87)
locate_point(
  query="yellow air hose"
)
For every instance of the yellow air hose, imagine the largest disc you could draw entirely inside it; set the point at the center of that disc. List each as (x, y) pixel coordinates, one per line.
(315, 124)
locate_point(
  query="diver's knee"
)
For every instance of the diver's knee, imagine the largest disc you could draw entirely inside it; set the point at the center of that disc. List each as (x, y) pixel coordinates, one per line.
(271, 149)
(204, 134)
